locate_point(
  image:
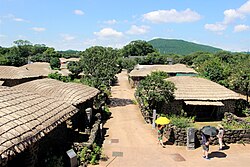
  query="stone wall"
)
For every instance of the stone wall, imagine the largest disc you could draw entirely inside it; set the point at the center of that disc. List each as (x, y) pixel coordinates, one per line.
(178, 136)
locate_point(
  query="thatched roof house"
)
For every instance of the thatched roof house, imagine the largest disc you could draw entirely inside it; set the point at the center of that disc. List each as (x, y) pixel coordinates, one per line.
(26, 117)
(202, 97)
(141, 71)
(39, 68)
(13, 75)
(72, 93)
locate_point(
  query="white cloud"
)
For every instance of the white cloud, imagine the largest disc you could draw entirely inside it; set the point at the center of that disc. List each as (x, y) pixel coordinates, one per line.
(67, 37)
(137, 30)
(241, 27)
(19, 19)
(113, 21)
(108, 32)
(38, 29)
(78, 12)
(245, 8)
(14, 18)
(172, 16)
(231, 15)
(215, 27)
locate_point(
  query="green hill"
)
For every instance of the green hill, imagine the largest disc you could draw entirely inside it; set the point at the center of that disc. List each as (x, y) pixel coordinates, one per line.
(166, 46)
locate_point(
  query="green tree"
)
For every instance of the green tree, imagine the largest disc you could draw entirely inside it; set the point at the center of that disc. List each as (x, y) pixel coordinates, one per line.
(137, 48)
(99, 65)
(212, 69)
(55, 63)
(240, 78)
(75, 68)
(155, 90)
(15, 58)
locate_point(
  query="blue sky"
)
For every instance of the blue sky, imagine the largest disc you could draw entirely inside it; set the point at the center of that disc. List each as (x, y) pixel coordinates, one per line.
(79, 24)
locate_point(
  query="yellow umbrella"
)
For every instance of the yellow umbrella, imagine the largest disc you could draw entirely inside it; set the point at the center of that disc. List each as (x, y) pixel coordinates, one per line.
(162, 121)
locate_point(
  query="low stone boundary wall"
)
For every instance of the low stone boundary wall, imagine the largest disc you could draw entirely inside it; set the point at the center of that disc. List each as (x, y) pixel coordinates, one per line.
(178, 136)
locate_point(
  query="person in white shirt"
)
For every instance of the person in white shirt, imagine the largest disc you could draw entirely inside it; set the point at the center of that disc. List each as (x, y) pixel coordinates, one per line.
(220, 136)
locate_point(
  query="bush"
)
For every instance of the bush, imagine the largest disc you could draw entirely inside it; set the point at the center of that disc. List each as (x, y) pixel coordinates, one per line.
(235, 125)
(90, 155)
(155, 91)
(59, 77)
(55, 63)
(181, 122)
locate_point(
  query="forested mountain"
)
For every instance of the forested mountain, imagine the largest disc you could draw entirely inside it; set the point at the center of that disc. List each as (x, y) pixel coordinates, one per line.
(166, 46)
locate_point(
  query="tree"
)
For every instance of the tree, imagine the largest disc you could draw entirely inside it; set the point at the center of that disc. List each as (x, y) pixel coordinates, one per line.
(240, 78)
(75, 68)
(99, 65)
(155, 90)
(212, 69)
(55, 63)
(15, 58)
(137, 48)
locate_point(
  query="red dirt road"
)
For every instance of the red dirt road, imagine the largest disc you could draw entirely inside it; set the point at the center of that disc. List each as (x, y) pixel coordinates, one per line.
(130, 142)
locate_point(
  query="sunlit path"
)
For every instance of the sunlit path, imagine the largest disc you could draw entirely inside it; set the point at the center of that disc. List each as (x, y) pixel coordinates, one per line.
(129, 142)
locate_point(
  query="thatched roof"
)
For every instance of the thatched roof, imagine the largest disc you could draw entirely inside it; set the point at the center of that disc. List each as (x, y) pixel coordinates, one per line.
(144, 70)
(72, 93)
(25, 117)
(40, 68)
(11, 72)
(64, 60)
(194, 88)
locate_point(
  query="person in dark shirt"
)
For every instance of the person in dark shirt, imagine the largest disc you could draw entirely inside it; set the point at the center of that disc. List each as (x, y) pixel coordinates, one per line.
(205, 145)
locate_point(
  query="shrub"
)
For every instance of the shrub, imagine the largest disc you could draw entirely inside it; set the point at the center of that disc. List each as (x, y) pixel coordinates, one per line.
(155, 91)
(90, 154)
(55, 63)
(181, 122)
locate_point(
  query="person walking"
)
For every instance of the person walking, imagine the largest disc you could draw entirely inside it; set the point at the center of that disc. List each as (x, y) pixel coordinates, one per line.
(220, 136)
(160, 131)
(205, 145)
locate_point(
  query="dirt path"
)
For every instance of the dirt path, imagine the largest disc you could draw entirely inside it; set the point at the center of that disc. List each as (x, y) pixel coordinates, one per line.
(130, 142)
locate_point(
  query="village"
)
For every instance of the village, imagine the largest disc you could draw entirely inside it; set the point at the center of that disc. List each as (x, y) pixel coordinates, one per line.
(42, 118)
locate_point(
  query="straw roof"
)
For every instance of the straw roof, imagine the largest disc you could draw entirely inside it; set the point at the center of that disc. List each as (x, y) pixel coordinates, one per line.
(144, 70)
(11, 72)
(194, 88)
(64, 60)
(72, 93)
(40, 68)
(25, 117)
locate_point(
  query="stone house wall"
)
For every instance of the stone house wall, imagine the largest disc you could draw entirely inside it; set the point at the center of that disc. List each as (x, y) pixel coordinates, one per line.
(229, 106)
(174, 107)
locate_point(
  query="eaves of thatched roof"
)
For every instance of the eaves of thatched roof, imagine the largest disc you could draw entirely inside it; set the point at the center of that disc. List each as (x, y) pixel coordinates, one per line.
(144, 70)
(11, 72)
(194, 88)
(25, 117)
(72, 93)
